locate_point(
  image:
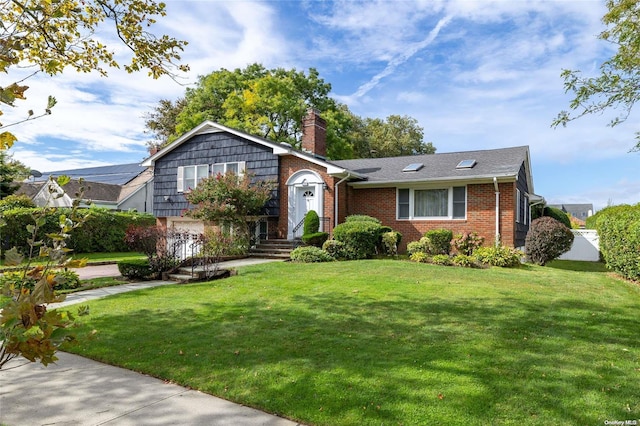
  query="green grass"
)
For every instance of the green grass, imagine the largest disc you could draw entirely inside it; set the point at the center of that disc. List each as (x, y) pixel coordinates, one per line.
(385, 342)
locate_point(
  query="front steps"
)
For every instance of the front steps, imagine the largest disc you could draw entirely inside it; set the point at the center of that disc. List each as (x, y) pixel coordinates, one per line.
(275, 249)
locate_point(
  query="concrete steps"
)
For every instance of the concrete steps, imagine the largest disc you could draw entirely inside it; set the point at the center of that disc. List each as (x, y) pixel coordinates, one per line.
(275, 249)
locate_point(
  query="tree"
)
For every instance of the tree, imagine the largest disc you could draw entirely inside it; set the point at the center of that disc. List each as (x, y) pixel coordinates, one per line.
(53, 35)
(618, 85)
(9, 172)
(395, 136)
(230, 201)
(271, 103)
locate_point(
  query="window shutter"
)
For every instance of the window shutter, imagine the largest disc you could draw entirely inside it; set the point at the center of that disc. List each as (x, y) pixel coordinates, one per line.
(180, 179)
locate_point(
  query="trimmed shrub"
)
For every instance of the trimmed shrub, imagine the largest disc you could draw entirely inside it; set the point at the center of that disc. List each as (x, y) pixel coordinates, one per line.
(14, 201)
(311, 223)
(546, 240)
(467, 243)
(558, 215)
(441, 259)
(439, 241)
(310, 254)
(502, 256)
(65, 279)
(619, 231)
(135, 268)
(316, 239)
(335, 248)
(360, 237)
(362, 218)
(420, 257)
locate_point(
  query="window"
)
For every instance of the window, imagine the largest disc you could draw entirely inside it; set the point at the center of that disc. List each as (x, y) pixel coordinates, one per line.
(440, 203)
(189, 176)
(223, 168)
(518, 209)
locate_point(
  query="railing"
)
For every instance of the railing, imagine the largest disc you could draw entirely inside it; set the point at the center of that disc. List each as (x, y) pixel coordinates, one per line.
(325, 226)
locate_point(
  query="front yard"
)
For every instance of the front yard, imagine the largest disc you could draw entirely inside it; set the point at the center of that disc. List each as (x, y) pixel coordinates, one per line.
(389, 342)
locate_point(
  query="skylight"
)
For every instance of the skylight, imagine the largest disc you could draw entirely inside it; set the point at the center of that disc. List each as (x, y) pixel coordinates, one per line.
(414, 167)
(466, 164)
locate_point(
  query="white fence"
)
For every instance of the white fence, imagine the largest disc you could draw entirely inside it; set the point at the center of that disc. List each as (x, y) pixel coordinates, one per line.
(586, 246)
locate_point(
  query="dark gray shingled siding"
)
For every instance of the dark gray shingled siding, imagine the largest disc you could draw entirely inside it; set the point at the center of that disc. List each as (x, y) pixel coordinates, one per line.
(523, 186)
(209, 149)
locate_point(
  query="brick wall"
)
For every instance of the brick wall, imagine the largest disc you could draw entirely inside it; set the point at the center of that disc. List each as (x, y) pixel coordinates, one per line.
(481, 208)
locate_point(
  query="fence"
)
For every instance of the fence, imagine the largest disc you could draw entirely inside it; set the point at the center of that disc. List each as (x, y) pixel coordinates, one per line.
(586, 246)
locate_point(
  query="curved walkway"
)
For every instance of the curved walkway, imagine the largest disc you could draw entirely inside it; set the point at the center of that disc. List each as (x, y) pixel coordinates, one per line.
(80, 391)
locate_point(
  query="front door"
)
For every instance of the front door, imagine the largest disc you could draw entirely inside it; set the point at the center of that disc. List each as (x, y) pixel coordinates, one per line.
(305, 193)
(306, 201)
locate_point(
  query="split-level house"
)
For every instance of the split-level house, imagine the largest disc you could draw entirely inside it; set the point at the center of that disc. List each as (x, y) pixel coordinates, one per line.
(484, 191)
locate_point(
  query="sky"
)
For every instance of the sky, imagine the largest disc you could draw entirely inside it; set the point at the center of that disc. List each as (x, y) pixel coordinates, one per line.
(475, 75)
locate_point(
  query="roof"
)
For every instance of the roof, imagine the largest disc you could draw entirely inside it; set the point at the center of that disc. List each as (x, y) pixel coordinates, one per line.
(118, 174)
(499, 163)
(94, 191)
(576, 210)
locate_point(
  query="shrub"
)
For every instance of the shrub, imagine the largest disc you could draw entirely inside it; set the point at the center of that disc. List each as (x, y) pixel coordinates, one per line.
(441, 259)
(316, 239)
(467, 243)
(420, 246)
(311, 223)
(419, 256)
(335, 248)
(463, 260)
(65, 279)
(390, 242)
(439, 241)
(502, 256)
(310, 254)
(360, 237)
(558, 215)
(14, 201)
(362, 218)
(546, 240)
(619, 231)
(135, 268)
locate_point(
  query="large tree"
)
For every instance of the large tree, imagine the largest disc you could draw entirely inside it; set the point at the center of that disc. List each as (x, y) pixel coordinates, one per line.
(271, 103)
(11, 171)
(618, 85)
(53, 35)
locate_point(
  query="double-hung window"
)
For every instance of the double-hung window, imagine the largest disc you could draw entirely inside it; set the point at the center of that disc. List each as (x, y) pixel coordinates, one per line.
(236, 167)
(189, 176)
(437, 203)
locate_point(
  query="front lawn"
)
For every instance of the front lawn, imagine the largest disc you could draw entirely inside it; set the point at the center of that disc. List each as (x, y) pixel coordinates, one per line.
(389, 342)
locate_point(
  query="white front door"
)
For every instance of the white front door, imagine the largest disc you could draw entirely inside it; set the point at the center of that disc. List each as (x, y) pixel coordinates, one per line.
(305, 193)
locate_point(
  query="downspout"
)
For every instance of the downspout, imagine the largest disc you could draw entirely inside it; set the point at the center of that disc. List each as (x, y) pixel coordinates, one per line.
(495, 186)
(335, 199)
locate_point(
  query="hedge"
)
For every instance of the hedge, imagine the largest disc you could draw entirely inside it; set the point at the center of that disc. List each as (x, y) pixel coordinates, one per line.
(619, 232)
(103, 230)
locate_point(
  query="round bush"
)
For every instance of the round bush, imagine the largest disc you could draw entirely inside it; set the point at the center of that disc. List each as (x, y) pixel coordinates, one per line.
(311, 223)
(439, 241)
(362, 218)
(546, 240)
(310, 254)
(463, 260)
(335, 248)
(135, 268)
(420, 246)
(558, 215)
(419, 256)
(441, 259)
(359, 237)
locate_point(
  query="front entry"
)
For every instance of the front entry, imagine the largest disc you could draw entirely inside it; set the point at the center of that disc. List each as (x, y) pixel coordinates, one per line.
(305, 189)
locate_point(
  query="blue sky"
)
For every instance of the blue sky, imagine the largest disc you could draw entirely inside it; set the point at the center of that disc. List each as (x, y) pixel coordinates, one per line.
(475, 74)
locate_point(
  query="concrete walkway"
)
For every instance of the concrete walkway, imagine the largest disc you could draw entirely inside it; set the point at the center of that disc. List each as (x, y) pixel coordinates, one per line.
(80, 391)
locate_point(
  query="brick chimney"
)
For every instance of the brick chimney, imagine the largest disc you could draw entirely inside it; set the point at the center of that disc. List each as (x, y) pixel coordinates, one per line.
(314, 133)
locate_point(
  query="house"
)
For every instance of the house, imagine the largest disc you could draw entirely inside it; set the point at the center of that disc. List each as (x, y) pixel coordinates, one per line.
(121, 187)
(485, 191)
(579, 211)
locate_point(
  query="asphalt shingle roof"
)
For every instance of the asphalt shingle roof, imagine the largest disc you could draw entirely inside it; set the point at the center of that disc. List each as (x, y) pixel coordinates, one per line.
(118, 174)
(492, 162)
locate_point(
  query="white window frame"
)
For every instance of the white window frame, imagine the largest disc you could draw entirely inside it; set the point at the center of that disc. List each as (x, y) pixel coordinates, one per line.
(449, 215)
(200, 172)
(225, 167)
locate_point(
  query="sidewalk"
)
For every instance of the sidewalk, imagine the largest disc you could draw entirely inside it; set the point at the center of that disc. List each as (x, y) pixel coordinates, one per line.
(80, 391)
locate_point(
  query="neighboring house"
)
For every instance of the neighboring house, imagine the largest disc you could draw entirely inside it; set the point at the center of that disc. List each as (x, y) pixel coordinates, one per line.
(121, 187)
(488, 191)
(579, 211)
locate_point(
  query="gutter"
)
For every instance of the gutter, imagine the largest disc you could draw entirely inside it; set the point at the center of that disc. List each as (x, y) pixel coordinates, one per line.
(495, 186)
(335, 198)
